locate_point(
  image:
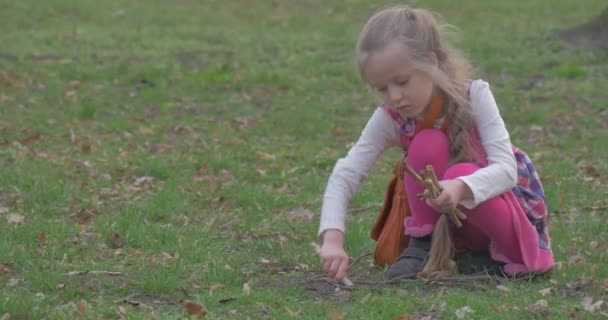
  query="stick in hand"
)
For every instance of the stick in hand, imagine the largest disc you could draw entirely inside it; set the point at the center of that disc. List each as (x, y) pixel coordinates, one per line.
(432, 188)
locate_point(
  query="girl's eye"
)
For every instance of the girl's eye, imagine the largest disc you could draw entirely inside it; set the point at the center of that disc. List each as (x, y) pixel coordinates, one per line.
(402, 82)
(382, 89)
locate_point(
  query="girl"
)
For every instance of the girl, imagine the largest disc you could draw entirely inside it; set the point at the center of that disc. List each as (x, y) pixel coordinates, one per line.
(403, 56)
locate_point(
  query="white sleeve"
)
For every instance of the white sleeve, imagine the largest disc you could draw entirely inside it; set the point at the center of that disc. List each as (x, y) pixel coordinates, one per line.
(501, 173)
(379, 134)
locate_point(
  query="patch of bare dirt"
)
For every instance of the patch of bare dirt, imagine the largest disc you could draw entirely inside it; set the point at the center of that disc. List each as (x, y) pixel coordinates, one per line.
(592, 35)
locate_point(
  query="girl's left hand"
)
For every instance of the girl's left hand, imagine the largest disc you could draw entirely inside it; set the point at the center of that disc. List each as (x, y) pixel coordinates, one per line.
(453, 192)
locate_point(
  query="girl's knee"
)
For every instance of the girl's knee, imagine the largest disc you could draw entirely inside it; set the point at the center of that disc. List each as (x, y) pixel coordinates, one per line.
(460, 170)
(429, 144)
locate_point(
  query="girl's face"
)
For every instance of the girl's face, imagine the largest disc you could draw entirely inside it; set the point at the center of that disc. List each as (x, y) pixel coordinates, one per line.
(402, 87)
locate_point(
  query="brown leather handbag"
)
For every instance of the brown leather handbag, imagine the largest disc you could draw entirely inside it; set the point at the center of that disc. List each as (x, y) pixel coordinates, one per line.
(388, 229)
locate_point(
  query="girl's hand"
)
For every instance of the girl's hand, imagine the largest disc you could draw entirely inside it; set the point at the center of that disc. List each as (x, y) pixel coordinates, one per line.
(333, 257)
(453, 192)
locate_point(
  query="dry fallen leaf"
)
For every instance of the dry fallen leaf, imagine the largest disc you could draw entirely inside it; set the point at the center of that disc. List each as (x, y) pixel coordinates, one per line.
(115, 240)
(12, 282)
(590, 306)
(402, 317)
(301, 212)
(463, 312)
(195, 309)
(216, 286)
(502, 288)
(15, 218)
(540, 308)
(246, 289)
(29, 139)
(84, 215)
(122, 310)
(82, 306)
(336, 315)
(366, 298)
(545, 291)
(293, 314)
(265, 156)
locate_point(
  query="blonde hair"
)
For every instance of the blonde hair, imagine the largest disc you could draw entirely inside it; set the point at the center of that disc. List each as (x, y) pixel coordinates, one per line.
(421, 36)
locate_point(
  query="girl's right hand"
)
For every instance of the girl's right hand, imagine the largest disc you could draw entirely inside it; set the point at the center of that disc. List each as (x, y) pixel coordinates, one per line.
(333, 257)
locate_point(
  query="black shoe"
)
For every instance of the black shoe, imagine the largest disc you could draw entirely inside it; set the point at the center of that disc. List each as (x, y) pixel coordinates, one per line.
(411, 261)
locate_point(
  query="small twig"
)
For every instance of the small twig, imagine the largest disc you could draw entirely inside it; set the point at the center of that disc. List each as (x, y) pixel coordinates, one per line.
(406, 167)
(357, 210)
(366, 254)
(408, 279)
(103, 272)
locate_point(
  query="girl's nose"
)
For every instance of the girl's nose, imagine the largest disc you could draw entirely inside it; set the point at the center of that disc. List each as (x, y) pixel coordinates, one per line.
(394, 94)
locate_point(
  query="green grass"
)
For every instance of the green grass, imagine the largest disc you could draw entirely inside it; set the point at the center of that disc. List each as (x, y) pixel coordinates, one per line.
(156, 117)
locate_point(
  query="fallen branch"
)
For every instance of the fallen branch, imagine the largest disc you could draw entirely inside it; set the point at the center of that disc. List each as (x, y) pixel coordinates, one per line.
(95, 272)
(408, 279)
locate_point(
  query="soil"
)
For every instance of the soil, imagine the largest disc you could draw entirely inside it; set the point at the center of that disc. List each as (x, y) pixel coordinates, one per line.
(592, 35)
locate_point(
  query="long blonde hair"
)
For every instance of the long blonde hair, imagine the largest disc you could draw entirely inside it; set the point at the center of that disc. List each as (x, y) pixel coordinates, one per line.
(421, 35)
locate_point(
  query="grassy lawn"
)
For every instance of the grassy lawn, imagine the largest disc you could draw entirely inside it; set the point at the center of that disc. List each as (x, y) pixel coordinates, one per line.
(160, 156)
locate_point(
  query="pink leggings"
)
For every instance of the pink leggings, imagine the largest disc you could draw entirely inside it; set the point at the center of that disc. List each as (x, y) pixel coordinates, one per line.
(488, 224)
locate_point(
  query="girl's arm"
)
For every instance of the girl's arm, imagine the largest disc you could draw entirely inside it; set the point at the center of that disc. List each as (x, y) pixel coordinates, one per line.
(379, 134)
(501, 173)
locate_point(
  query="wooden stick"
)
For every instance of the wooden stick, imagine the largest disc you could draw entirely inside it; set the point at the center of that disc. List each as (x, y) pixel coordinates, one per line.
(406, 167)
(432, 188)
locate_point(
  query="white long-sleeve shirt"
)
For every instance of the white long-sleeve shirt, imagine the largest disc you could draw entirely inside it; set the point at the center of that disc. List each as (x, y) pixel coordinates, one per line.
(381, 133)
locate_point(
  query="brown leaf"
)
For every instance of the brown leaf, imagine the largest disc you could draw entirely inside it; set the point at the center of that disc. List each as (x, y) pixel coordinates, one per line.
(74, 84)
(578, 284)
(88, 238)
(540, 308)
(42, 236)
(590, 306)
(293, 314)
(195, 309)
(84, 215)
(122, 310)
(82, 306)
(30, 139)
(15, 218)
(301, 213)
(402, 317)
(266, 156)
(216, 286)
(115, 240)
(336, 315)
(4, 269)
(545, 291)
(243, 122)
